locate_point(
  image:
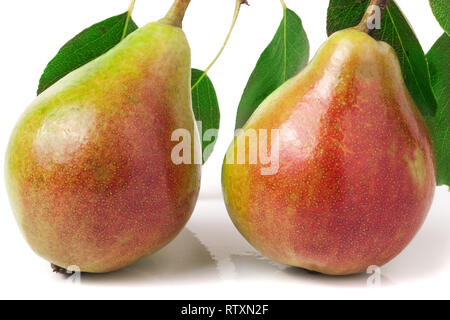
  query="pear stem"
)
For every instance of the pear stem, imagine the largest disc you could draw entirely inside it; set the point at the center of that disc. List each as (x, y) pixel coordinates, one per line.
(239, 3)
(176, 13)
(127, 22)
(363, 25)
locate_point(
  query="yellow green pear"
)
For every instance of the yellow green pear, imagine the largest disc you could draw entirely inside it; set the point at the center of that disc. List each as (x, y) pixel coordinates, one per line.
(88, 167)
(355, 171)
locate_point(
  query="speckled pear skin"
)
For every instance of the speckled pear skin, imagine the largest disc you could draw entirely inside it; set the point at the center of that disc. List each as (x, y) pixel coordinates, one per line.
(88, 168)
(356, 173)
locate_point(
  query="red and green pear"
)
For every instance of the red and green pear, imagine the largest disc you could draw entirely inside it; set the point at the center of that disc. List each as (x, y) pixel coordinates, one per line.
(356, 169)
(88, 167)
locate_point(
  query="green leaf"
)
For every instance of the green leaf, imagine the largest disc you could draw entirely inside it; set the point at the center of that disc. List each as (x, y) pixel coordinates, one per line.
(85, 47)
(441, 10)
(343, 14)
(397, 32)
(206, 111)
(439, 125)
(286, 55)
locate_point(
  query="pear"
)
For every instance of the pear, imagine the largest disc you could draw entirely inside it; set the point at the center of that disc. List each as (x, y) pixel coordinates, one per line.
(355, 165)
(89, 169)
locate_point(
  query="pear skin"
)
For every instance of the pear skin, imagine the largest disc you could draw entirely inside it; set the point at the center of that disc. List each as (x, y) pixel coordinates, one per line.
(356, 174)
(89, 169)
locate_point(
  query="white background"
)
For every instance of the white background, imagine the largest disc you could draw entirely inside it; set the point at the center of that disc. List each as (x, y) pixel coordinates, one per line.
(209, 259)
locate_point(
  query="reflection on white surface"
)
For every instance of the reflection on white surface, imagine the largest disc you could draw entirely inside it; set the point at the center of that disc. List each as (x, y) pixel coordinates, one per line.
(211, 260)
(179, 263)
(211, 251)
